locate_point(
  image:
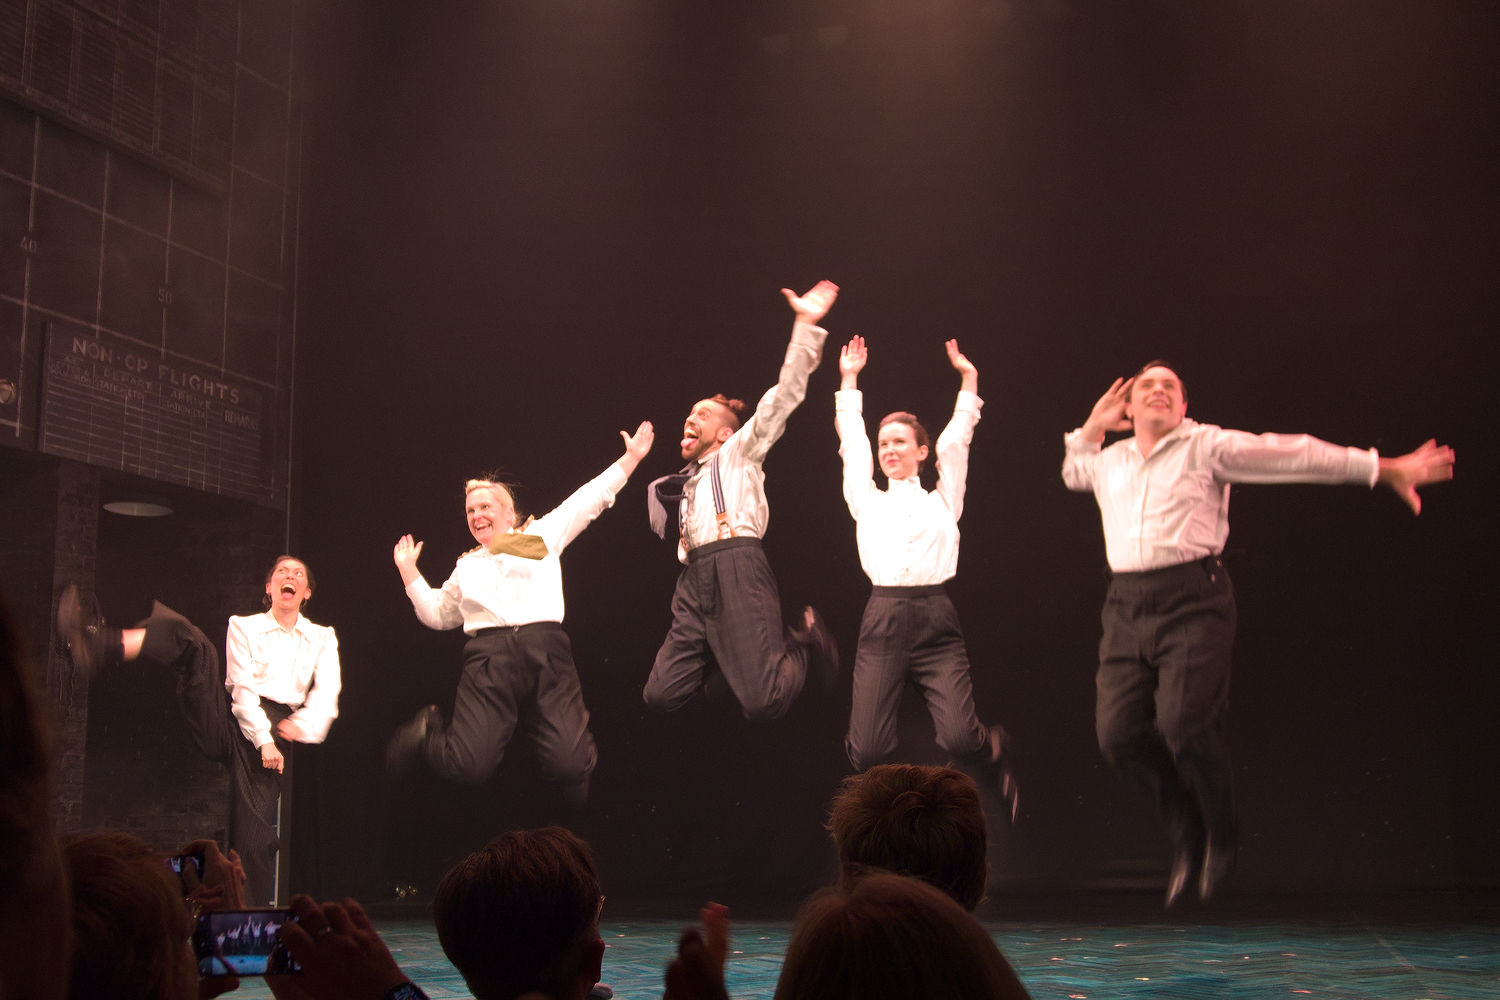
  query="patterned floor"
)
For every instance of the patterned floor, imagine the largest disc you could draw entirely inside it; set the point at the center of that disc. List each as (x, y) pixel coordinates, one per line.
(1354, 960)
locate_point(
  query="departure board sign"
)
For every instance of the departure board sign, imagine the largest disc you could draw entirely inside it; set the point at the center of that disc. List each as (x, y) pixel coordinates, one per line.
(109, 402)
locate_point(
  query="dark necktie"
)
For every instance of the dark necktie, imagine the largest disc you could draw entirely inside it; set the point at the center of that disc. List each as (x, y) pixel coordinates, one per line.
(663, 493)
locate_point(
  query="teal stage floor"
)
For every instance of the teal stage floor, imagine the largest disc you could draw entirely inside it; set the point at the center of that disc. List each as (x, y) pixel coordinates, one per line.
(1331, 959)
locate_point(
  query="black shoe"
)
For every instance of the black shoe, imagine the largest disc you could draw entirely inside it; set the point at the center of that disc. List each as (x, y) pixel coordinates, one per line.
(408, 745)
(822, 651)
(82, 635)
(997, 773)
(1185, 864)
(1218, 860)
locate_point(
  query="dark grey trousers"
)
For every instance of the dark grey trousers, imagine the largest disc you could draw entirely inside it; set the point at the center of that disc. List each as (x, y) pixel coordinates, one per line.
(1163, 688)
(526, 671)
(726, 613)
(911, 634)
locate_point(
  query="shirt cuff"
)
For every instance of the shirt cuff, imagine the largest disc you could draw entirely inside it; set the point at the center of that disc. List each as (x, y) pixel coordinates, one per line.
(1075, 441)
(849, 400)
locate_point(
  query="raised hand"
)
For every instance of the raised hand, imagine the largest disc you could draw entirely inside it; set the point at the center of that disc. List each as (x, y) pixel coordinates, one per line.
(968, 374)
(1430, 463)
(637, 445)
(1109, 412)
(406, 553)
(813, 304)
(697, 973)
(852, 360)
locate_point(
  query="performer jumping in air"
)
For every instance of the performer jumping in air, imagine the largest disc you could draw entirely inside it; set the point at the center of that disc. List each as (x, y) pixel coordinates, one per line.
(507, 596)
(282, 676)
(726, 609)
(1169, 615)
(908, 547)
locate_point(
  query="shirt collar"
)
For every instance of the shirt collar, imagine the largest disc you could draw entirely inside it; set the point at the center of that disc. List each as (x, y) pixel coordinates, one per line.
(1181, 430)
(272, 625)
(908, 482)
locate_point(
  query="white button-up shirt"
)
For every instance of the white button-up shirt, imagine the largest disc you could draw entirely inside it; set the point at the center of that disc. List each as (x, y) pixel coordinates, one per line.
(298, 666)
(742, 456)
(487, 590)
(1172, 506)
(906, 535)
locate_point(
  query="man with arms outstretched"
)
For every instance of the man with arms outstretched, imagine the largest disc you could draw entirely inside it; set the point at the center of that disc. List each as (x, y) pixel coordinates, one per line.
(1169, 616)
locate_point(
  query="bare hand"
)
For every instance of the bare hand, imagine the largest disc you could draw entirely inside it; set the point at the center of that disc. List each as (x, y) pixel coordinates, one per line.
(638, 444)
(271, 759)
(213, 986)
(813, 304)
(960, 364)
(340, 952)
(854, 356)
(967, 373)
(1430, 463)
(223, 885)
(697, 973)
(406, 553)
(289, 730)
(1109, 413)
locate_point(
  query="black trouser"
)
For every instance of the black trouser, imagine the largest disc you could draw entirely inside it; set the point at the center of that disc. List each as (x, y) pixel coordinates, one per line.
(507, 672)
(1163, 687)
(176, 642)
(911, 634)
(726, 612)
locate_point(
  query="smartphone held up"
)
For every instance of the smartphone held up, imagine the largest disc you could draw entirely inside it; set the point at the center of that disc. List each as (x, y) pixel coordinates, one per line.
(243, 943)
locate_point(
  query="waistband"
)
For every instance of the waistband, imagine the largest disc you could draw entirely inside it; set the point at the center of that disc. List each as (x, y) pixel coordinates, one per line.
(517, 629)
(720, 545)
(1211, 564)
(926, 590)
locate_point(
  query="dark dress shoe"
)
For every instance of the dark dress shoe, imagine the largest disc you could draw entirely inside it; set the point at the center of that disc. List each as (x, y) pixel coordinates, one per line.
(1218, 860)
(82, 635)
(823, 652)
(408, 745)
(1184, 867)
(997, 774)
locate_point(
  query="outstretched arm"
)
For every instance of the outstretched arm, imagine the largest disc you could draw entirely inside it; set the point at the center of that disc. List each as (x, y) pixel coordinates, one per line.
(968, 374)
(852, 360)
(1109, 412)
(1428, 464)
(813, 304)
(637, 446)
(803, 354)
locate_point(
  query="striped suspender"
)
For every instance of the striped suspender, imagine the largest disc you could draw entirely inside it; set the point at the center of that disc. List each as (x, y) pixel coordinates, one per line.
(720, 514)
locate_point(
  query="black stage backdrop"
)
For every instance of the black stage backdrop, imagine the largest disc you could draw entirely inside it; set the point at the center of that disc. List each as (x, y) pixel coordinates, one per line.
(529, 225)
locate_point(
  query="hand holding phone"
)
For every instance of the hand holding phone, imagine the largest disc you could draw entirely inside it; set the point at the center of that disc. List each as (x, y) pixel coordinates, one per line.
(339, 950)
